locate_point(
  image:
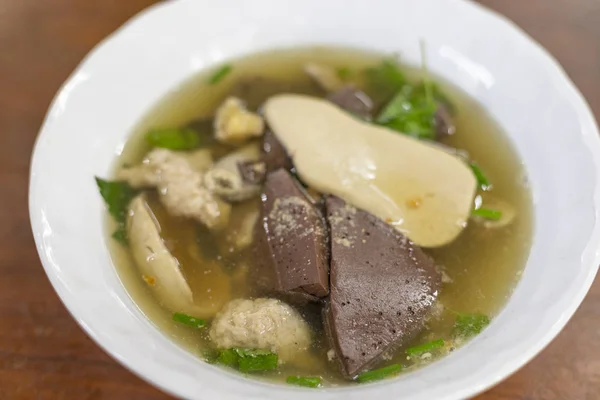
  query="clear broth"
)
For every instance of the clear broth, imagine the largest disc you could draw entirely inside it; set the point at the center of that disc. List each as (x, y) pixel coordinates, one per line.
(481, 267)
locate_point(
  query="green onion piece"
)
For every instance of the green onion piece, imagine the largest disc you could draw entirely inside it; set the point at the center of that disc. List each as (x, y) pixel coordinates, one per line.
(256, 360)
(467, 325)
(487, 213)
(228, 357)
(410, 112)
(248, 360)
(220, 74)
(307, 381)
(343, 73)
(425, 348)
(189, 320)
(385, 78)
(117, 196)
(482, 180)
(173, 138)
(439, 98)
(396, 106)
(415, 123)
(378, 374)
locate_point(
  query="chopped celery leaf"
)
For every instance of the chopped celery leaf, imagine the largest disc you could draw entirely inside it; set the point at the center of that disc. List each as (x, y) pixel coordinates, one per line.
(228, 357)
(482, 180)
(467, 325)
(117, 196)
(306, 381)
(380, 373)
(254, 363)
(425, 348)
(120, 234)
(487, 213)
(189, 320)
(247, 360)
(343, 73)
(385, 78)
(409, 113)
(220, 74)
(173, 138)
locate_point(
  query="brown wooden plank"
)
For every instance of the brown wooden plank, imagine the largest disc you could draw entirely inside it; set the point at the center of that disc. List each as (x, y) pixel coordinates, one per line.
(45, 355)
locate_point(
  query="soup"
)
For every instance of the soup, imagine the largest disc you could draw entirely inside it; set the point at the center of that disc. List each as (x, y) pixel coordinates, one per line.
(319, 217)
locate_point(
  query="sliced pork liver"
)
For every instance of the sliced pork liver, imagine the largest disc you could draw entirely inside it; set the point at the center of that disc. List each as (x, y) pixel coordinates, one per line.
(274, 154)
(294, 238)
(382, 287)
(352, 100)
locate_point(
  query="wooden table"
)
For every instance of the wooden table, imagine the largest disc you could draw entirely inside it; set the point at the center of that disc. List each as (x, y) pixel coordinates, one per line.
(45, 355)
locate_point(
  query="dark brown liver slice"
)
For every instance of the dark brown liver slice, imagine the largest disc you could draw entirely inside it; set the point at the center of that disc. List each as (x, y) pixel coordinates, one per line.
(382, 287)
(352, 100)
(274, 154)
(294, 237)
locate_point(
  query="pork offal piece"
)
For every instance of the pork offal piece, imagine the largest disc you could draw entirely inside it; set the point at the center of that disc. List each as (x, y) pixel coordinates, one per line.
(352, 100)
(294, 238)
(179, 178)
(274, 154)
(382, 287)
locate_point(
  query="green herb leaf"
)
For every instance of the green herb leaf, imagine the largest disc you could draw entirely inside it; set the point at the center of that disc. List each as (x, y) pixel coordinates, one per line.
(378, 374)
(173, 138)
(220, 74)
(264, 362)
(210, 356)
(398, 105)
(467, 325)
(189, 320)
(421, 90)
(413, 121)
(482, 180)
(385, 78)
(117, 196)
(343, 73)
(248, 360)
(425, 348)
(410, 112)
(307, 381)
(256, 360)
(228, 357)
(120, 234)
(487, 213)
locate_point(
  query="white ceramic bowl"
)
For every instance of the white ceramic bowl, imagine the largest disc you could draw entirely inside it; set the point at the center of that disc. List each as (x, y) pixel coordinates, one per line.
(514, 78)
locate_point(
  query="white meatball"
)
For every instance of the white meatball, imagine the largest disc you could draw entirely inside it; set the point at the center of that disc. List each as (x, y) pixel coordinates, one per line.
(266, 324)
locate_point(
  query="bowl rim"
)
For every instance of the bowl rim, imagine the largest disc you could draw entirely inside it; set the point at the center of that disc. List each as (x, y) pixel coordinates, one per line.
(559, 76)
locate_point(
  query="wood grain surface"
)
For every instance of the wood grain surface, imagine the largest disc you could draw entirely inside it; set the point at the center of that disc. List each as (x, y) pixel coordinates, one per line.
(45, 355)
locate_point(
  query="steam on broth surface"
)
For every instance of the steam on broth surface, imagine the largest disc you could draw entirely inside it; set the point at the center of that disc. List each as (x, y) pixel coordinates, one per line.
(478, 269)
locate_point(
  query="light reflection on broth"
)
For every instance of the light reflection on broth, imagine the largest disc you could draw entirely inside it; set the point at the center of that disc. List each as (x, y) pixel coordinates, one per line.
(481, 267)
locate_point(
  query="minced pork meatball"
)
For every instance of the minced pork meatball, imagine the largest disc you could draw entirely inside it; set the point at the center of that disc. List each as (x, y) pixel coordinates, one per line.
(179, 178)
(266, 324)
